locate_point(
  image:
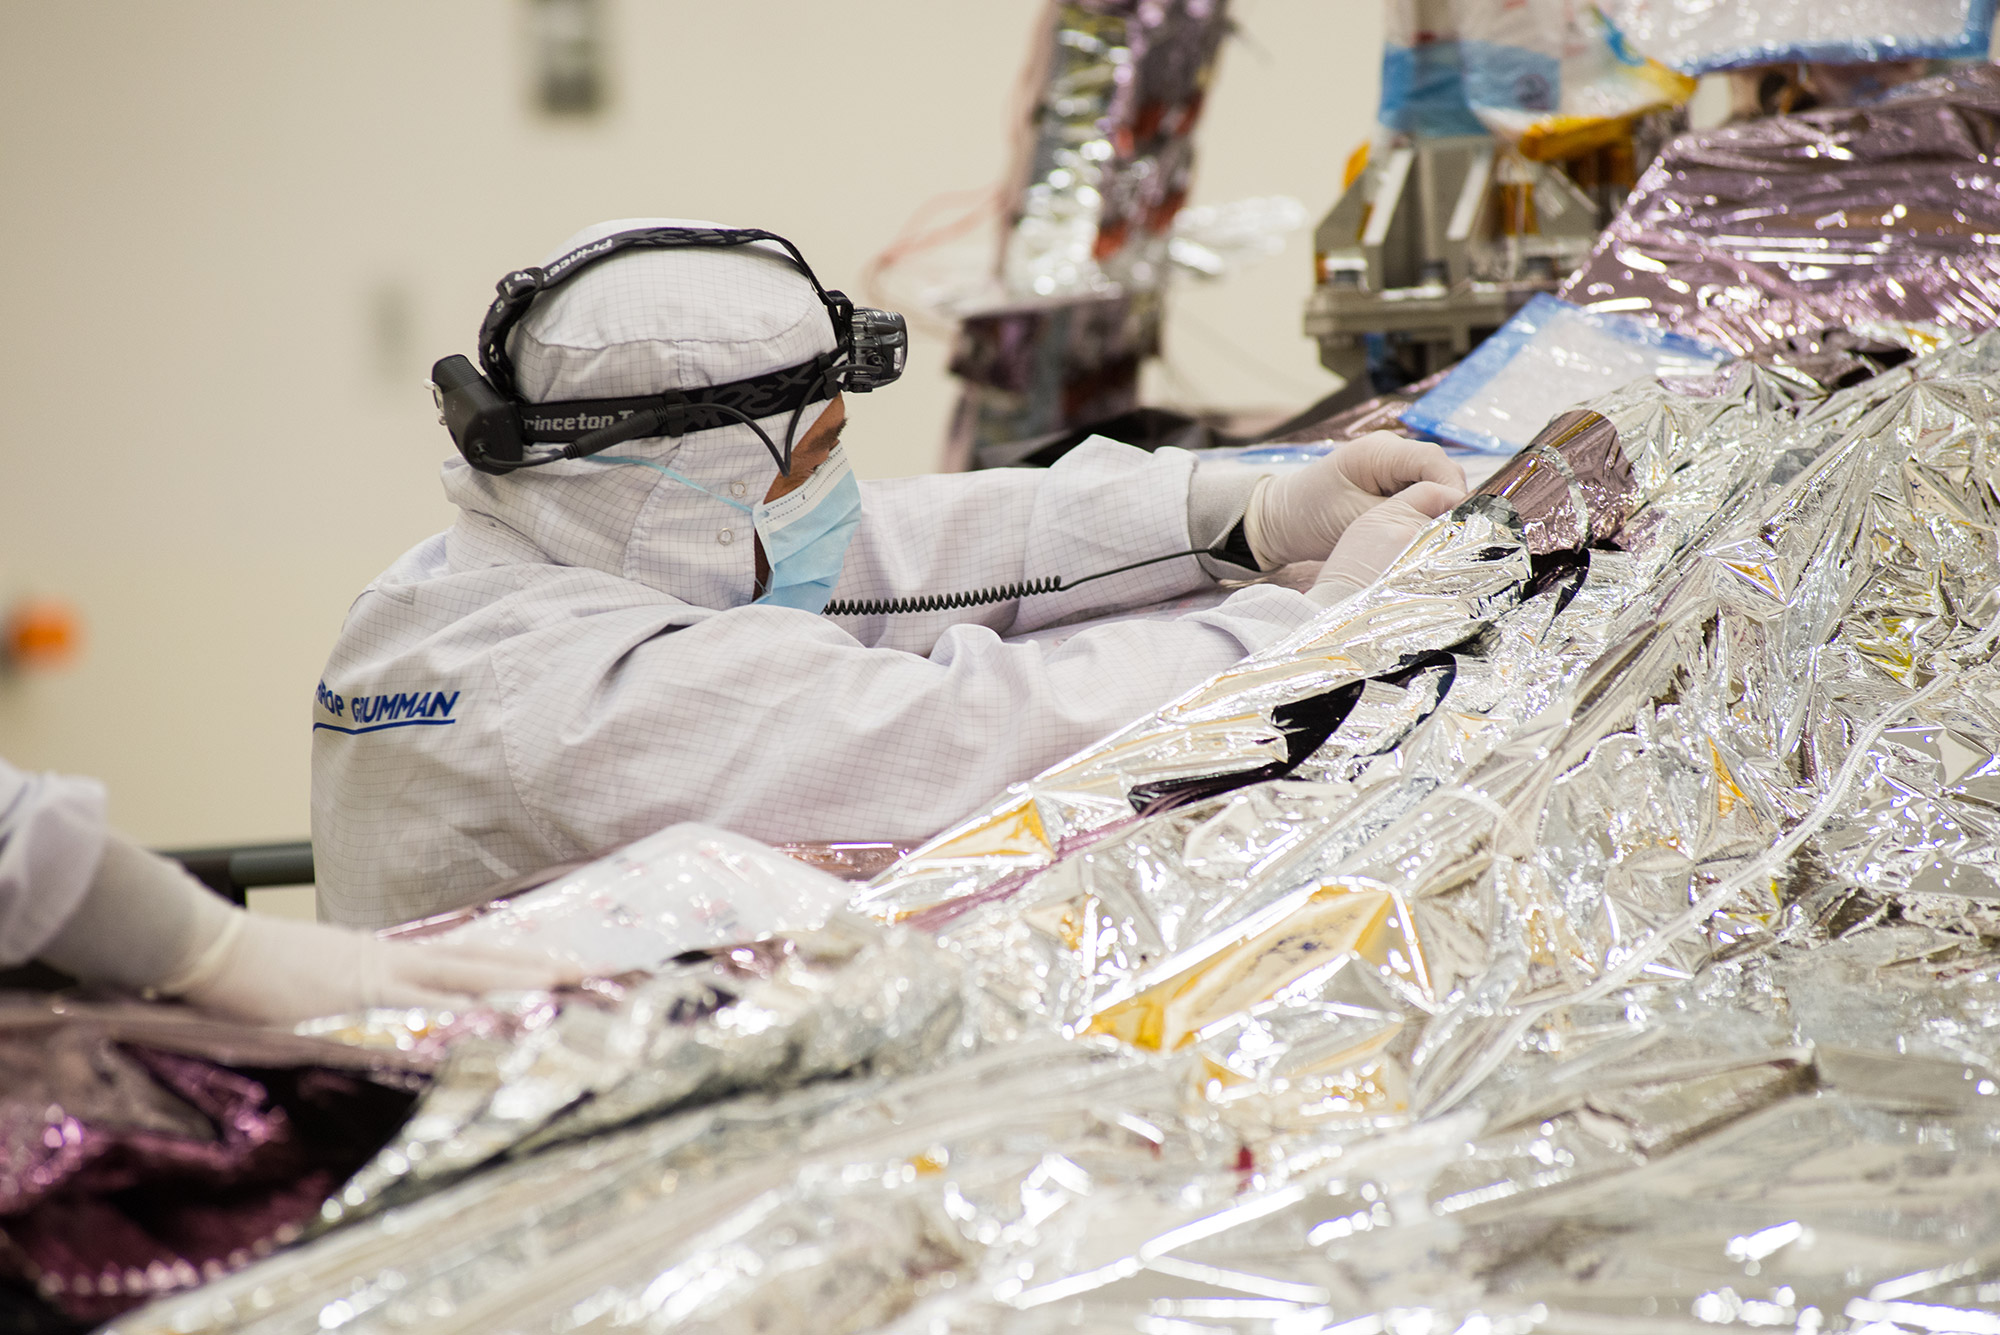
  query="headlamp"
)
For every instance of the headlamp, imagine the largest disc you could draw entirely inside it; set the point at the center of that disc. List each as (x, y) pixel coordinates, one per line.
(879, 342)
(498, 431)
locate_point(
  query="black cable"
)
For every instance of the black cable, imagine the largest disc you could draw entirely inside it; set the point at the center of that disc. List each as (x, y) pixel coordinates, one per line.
(651, 422)
(792, 431)
(1004, 593)
(659, 422)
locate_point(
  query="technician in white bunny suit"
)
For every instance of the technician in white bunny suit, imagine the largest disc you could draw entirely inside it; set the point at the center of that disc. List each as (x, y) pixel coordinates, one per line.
(604, 645)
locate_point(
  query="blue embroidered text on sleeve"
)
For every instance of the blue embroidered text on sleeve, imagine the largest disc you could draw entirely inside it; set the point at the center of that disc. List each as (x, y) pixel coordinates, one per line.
(357, 714)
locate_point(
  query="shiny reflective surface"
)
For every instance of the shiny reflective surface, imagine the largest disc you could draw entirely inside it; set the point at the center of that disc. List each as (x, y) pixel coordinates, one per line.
(1113, 151)
(1806, 238)
(145, 1150)
(1588, 927)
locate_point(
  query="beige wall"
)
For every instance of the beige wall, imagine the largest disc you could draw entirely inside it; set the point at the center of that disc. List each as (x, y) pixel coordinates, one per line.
(236, 233)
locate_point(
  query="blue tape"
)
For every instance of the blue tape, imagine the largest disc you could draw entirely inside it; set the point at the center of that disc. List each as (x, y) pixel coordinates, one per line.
(1423, 92)
(1511, 78)
(1436, 413)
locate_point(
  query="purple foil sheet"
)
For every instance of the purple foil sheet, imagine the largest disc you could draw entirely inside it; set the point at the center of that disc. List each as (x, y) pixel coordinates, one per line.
(1789, 237)
(850, 860)
(129, 1170)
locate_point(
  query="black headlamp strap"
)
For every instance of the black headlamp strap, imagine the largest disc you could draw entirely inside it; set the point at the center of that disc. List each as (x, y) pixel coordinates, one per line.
(564, 421)
(518, 290)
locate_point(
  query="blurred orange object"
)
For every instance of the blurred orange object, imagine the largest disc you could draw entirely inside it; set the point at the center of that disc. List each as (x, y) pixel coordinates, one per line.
(41, 633)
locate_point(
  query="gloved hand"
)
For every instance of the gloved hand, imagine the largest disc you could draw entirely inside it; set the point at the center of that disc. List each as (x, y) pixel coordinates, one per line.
(273, 970)
(1376, 539)
(1302, 515)
(146, 924)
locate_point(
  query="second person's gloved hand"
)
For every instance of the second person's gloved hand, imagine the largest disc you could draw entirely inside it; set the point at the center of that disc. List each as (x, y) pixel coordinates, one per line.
(1301, 516)
(270, 970)
(1374, 540)
(145, 924)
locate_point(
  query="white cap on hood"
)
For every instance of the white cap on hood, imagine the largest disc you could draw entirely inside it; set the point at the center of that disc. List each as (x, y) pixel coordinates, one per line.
(642, 322)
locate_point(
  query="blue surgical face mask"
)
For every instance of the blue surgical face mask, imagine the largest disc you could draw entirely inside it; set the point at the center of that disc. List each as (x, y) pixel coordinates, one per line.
(805, 534)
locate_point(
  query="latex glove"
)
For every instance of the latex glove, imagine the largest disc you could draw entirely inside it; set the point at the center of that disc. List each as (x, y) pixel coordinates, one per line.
(274, 970)
(1302, 515)
(1374, 540)
(147, 925)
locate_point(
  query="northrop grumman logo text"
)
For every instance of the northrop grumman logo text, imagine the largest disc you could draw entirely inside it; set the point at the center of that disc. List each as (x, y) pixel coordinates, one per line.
(371, 713)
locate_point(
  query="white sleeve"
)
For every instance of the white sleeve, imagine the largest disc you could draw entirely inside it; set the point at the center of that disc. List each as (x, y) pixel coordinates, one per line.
(51, 840)
(777, 724)
(1101, 506)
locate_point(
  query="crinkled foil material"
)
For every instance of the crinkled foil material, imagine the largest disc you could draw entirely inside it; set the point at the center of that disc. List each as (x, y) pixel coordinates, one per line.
(145, 1149)
(1122, 88)
(1803, 237)
(1589, 927)
(831, 1002)
(1098, 179)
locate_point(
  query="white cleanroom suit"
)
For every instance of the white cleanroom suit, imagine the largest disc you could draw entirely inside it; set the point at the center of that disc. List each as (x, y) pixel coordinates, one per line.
(51, 839)
(579, 661)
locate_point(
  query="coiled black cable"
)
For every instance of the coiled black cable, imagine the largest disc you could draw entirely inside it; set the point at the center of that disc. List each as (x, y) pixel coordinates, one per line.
(1004, 593)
